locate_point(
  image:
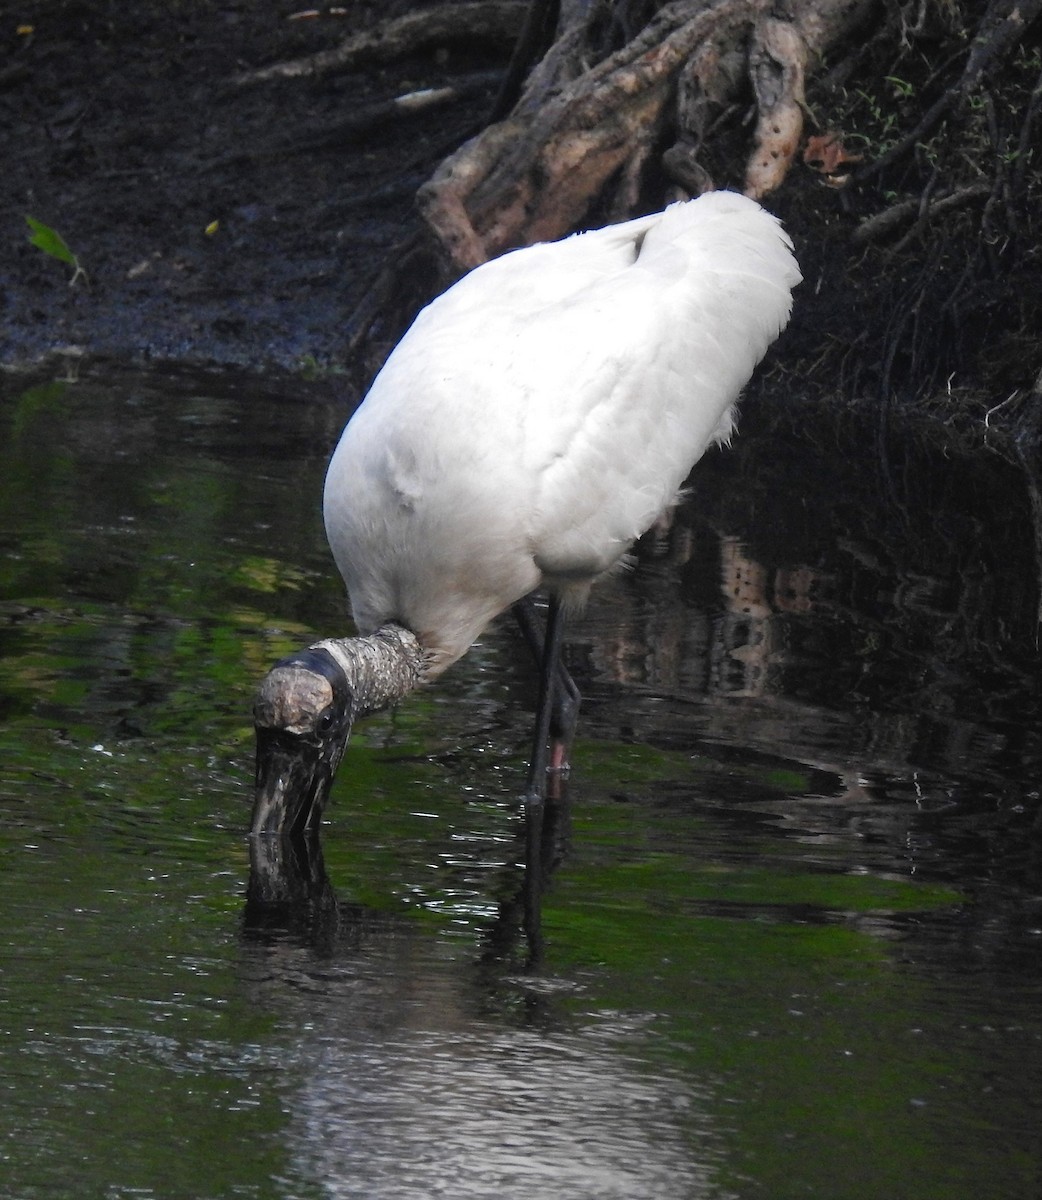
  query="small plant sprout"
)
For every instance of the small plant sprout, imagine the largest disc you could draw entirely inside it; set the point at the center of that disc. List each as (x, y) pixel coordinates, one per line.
(51, 242)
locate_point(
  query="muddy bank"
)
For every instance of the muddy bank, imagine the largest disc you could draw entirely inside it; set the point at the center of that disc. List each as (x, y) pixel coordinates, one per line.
(232, 225)
(216, 223)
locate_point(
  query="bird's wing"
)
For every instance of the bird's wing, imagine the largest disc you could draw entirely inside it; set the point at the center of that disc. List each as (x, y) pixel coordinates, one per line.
(540, 414)
(637, 373)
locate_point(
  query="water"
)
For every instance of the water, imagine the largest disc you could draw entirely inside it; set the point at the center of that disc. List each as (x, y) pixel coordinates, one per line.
(793, 929)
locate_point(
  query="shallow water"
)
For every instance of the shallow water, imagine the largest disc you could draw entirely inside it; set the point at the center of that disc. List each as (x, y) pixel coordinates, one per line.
(793, 931)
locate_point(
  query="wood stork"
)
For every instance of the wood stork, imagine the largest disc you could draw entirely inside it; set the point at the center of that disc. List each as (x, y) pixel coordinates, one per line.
(533, 422)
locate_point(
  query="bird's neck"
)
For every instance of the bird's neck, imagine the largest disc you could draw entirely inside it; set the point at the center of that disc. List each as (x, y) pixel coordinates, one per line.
(381, 668)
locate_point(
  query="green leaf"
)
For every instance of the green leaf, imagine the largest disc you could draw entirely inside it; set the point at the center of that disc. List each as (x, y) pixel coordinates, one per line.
(50, 242)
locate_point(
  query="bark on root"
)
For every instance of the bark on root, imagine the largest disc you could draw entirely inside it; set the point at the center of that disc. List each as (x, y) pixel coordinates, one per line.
(474, 21)
(583, 136)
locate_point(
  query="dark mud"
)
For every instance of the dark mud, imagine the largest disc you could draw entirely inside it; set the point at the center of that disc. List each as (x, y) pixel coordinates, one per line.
(125, 131)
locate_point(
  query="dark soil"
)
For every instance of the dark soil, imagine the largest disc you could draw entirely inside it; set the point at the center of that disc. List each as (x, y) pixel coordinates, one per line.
(124, 132)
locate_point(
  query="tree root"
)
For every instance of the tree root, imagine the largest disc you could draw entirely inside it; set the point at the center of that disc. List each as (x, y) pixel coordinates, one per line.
(622, 111)
(582, 137)
(918, 209)
(777, 62)
(491, 21)
(1001, 29)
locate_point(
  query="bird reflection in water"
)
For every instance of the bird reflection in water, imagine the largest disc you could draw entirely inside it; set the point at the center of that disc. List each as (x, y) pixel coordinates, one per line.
(289, 895)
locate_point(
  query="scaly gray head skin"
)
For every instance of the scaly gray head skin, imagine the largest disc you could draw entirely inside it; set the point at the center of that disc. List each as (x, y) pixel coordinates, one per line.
(304, 713)
(302, 717)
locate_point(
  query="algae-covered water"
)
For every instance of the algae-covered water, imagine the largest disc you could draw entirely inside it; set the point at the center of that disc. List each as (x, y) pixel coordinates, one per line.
(793, 925)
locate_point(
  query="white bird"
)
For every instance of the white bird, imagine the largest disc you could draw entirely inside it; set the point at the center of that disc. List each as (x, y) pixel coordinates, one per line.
(533, 422)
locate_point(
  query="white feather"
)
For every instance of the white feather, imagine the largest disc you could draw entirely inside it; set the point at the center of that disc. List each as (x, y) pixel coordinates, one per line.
(542, 413)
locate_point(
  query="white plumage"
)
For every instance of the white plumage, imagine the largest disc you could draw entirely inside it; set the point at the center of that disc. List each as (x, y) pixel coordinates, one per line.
(534, 421)
(540, 415)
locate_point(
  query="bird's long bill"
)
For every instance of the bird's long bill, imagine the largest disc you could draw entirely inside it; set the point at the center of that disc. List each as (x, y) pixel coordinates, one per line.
(293, 779)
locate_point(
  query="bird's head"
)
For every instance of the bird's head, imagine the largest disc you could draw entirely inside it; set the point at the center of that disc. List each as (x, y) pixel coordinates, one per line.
(302, 717)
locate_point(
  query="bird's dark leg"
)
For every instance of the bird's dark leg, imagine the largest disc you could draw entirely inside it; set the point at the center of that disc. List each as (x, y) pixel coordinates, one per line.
(556, 715)
(565, 696)
(549, 689)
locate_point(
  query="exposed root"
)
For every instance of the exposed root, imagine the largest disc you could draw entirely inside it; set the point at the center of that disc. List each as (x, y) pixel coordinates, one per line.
(777, 62)
(919, 209)
(930, 160)
(1003, 26)
(491, 21)
(580, 137)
